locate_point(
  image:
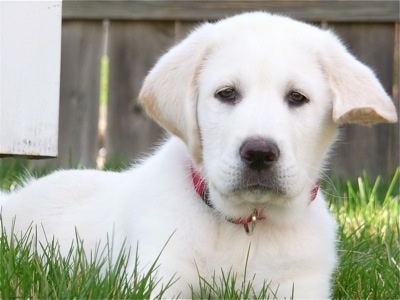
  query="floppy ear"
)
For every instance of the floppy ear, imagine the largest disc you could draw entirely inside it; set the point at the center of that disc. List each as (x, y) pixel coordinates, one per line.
(358, 97)
(169, 92)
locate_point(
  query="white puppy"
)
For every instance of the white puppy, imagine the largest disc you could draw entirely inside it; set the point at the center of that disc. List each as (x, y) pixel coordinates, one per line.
(255, 102)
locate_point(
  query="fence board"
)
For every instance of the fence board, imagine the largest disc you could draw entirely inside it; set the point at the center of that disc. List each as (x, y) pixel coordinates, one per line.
(79, 105)
(310, 10)
(134, 47)
(375, 149)
(30, 45)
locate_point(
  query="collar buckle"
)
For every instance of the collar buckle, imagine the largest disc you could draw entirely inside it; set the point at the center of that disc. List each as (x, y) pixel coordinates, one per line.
(253, 219)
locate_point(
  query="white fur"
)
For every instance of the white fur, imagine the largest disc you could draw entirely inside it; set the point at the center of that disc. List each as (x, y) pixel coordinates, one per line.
(264, 57)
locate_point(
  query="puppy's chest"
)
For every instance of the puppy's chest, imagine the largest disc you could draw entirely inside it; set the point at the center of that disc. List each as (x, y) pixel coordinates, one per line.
(241, 254)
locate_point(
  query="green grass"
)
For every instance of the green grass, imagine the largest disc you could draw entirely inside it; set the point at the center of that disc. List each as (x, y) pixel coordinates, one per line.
(369, 248)
(369, 235)
(29, 270)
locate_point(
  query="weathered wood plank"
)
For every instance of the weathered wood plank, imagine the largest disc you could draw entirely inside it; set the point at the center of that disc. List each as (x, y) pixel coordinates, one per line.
(376, 148)
(310, 10)
(30, 46)
(133, 49)
(79, 95)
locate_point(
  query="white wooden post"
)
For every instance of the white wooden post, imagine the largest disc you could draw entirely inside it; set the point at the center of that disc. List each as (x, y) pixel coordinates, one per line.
(30, 47)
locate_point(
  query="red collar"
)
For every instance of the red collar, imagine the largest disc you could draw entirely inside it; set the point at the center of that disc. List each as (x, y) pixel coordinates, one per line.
(201, 189)
(314, 191)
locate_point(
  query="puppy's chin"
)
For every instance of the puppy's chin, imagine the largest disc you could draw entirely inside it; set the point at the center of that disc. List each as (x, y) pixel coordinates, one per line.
(241, 203)
(257, 195)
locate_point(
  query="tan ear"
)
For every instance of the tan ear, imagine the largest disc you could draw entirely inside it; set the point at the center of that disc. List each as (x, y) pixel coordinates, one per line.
(169, 92)
(358, 97)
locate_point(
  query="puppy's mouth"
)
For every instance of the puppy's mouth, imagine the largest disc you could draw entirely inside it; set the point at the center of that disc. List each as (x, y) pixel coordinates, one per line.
(258, 193)
(260, 186)
(258, 189)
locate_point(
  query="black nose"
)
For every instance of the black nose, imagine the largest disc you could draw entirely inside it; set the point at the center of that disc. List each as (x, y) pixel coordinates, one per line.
(259, 153)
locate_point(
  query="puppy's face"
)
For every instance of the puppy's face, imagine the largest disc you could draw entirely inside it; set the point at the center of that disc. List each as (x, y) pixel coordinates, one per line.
(257, 99)
(265, 120)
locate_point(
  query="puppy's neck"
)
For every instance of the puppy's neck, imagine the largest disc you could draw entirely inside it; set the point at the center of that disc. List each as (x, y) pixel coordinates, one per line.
(248, 223)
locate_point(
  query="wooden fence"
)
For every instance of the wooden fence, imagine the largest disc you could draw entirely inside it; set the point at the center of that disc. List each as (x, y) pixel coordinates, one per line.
(140, 31)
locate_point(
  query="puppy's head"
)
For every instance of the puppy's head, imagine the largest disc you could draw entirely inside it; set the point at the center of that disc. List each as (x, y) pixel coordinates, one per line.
(257, 99)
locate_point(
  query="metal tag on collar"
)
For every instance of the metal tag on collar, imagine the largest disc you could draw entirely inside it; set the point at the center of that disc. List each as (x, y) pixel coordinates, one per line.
(250, 229)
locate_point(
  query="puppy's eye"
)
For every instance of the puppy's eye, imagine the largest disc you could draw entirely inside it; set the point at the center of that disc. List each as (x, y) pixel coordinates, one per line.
(296, 99)
(227, 94)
